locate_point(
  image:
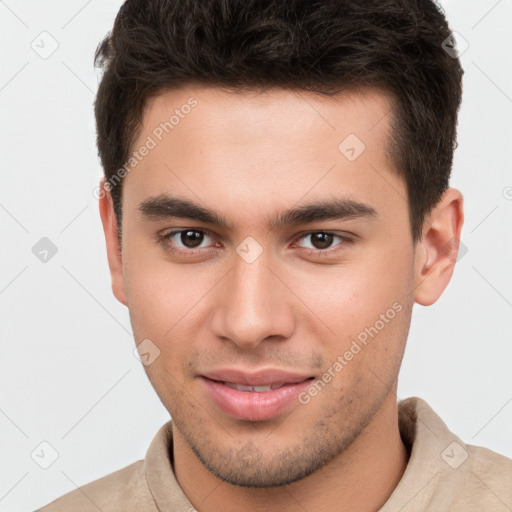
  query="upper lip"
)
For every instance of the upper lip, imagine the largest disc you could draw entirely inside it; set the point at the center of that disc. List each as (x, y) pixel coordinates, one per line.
(267, 377)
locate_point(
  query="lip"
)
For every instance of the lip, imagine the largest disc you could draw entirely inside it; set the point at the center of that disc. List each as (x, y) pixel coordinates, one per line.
(267, 377)
(254, 405)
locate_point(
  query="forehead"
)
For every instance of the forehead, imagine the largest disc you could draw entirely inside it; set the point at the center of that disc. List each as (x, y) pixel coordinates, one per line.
(256, 151)
(294, 115)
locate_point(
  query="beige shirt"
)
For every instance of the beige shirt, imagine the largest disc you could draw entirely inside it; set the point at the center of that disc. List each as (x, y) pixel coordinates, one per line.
(443, 474)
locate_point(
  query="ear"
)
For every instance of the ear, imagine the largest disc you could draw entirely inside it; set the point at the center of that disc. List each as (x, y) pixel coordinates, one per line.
(436, 252)
(114, 254)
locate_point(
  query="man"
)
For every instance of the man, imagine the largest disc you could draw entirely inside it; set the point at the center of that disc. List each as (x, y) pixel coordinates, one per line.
(275, 201)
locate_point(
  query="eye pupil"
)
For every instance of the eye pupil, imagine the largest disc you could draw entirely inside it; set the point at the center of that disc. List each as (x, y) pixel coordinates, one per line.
(321, 240)
(191, 238)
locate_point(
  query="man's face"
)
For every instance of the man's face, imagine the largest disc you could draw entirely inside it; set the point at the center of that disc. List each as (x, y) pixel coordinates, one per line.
(260, 302)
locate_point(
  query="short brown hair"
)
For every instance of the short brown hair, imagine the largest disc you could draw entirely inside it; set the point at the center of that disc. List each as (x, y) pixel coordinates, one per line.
(322, 46)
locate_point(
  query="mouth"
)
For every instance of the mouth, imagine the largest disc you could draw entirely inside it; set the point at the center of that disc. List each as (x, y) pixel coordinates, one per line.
(254, 389)
(254, 397)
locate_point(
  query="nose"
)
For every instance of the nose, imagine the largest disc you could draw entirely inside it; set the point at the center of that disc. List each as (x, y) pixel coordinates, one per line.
(253, 305)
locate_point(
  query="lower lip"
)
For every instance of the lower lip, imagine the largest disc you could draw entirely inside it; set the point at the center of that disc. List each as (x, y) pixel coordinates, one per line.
(253, 405)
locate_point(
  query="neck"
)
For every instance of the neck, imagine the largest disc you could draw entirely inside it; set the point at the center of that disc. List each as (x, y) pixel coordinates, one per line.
(361, 478)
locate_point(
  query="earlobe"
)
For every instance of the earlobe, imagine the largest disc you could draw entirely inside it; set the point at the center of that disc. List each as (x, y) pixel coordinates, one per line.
(114, 254)
(437, 251)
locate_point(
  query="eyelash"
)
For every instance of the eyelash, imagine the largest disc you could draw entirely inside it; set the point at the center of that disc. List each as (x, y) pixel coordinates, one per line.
(165, 240)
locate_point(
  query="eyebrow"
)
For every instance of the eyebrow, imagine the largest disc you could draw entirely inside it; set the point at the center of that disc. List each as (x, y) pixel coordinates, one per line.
(164, 206)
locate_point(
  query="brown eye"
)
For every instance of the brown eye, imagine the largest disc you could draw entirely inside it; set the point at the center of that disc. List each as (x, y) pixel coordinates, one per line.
(186, 241)
(321, 240)
(191, 239)
(323, 243)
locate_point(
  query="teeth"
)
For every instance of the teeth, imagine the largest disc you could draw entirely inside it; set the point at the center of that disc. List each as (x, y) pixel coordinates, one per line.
(261, 389)
(257, 389)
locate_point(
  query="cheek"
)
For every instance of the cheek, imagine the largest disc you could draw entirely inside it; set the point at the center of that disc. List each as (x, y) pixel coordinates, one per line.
(161, 302)
(363, 309)
(161, 294)
(351, 296)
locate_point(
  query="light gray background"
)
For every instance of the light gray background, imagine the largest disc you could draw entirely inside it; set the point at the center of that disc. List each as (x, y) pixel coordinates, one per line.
(68, 375)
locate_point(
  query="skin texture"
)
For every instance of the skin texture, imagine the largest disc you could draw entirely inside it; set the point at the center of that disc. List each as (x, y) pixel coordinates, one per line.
(249, 156)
